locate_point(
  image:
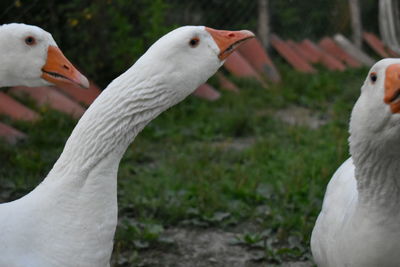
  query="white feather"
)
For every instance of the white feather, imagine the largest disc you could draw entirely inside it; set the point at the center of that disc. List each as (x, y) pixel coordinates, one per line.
(359, 224)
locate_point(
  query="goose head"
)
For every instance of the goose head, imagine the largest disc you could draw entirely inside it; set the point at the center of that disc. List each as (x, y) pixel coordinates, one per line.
(29, 56)
(375, 118)
(186, 57)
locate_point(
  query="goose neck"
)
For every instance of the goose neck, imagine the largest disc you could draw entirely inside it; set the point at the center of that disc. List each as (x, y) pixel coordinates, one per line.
(377, 175)
(111, 123)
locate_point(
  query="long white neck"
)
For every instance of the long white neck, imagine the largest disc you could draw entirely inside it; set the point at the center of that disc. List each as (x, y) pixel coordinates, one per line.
(112, 122)
(377, 173)
(81, 189)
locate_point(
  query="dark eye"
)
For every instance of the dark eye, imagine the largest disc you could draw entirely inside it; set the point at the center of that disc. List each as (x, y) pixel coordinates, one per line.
(373, 76)
(194, 42)
(30, 40)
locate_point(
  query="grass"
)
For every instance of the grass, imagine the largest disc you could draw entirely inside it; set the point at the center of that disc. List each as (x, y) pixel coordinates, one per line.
(230, 164)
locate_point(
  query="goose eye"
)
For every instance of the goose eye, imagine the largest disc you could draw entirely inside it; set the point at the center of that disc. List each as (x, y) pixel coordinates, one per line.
(373, 76)
(30, 40)
(194, 42)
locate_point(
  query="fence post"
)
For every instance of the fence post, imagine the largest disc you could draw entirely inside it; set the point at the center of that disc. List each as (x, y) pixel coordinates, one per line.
(263, 30)
(389, 23)
(356, 24)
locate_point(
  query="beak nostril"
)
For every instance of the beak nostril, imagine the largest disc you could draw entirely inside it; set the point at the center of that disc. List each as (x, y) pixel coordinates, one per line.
(66, 67)
(231, 35)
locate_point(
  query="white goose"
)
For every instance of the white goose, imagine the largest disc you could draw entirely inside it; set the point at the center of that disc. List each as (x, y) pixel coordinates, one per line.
(359, 224)
(29, 56)
(71, 217)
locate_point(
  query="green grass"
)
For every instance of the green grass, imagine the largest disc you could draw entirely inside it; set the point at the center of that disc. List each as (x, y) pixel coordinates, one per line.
(184, 168)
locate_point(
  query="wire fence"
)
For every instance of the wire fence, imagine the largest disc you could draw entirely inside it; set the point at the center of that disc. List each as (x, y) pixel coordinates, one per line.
(214, 13)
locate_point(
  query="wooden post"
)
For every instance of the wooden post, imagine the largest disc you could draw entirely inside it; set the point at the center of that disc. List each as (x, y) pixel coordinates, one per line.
(389, 23)
(263, 30)
(356, 24)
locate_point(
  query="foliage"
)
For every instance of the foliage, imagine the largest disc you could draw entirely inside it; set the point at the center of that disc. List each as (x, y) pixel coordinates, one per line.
(103, 38)
(316, 19)
(238, 14)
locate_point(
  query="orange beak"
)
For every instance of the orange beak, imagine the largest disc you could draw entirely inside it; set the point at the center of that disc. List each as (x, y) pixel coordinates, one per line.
(60, 72)
(228, 41)
(392, 87)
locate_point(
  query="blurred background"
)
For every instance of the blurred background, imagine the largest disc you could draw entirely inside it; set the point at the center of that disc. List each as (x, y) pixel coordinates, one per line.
(104, 37)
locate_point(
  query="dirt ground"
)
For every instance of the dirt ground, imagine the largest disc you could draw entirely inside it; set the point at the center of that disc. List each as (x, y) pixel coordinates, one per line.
(206, 248)
(295, 115)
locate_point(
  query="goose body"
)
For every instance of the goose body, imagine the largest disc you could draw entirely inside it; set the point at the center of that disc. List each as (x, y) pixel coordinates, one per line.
(71, 217)
(359, 224)
(29, 56)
